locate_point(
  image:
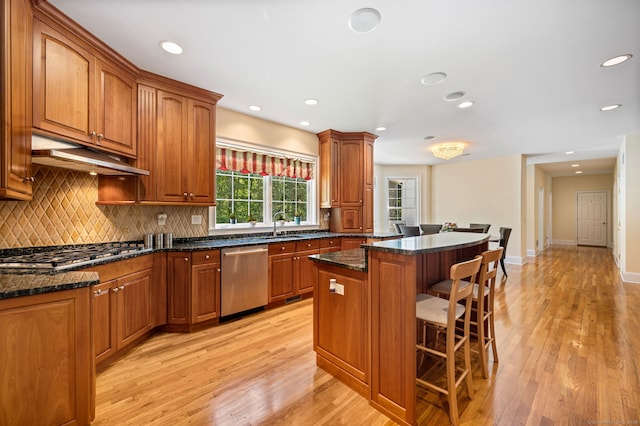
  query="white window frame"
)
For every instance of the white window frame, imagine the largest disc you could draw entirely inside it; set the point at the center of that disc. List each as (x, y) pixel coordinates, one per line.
(418, 194)
(312, 201)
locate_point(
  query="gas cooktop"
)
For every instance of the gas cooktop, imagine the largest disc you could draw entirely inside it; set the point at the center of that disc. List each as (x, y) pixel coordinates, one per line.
(73, 257)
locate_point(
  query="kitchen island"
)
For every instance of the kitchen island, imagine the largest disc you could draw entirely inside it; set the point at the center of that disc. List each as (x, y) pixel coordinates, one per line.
(371, 309)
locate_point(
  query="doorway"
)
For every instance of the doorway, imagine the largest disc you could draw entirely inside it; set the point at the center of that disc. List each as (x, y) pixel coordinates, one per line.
(592, 218)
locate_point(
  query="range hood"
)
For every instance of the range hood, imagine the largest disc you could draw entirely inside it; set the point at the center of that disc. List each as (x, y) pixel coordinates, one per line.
(53, 153)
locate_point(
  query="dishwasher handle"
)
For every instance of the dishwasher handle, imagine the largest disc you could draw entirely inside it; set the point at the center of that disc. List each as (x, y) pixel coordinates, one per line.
(240, 253)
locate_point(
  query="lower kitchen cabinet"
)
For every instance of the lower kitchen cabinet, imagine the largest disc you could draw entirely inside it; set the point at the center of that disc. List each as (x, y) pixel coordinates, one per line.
(47, 368)
(291, 273)
(193, 284)
(349, 243)
(123, 305)
(304, 268)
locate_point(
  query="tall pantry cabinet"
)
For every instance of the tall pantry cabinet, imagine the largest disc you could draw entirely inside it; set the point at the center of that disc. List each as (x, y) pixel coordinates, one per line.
(346, 179)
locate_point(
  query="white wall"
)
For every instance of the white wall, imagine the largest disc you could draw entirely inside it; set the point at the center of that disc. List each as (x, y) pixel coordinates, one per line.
(484, 191)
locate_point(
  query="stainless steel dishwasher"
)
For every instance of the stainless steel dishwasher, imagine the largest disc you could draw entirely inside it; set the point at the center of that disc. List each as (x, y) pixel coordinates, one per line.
(245, 279)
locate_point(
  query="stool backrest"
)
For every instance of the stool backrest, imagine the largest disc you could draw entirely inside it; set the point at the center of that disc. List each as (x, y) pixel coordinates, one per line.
(464, 270)
(429, 228)
(485, 226)
(410, 231)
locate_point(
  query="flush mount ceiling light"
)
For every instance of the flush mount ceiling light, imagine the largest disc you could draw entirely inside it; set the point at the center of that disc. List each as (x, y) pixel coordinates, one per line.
(255, 108)
(304, 123)
(311, 101)
(447, 150)
(381, 129)
(617, 60)
(364, 20)
(465, 104)
(610, 107)
(171, 47)
(433, 78)
(454, 96)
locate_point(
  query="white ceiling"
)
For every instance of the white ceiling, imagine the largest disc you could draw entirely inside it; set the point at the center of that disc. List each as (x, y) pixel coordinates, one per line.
(531, 67)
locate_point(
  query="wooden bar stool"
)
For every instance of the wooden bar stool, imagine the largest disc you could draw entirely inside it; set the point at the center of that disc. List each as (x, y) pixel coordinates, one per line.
(441, 315)
(482, 296)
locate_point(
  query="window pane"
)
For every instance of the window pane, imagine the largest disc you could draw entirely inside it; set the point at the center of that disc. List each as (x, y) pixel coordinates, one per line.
(256, 210)
(277, 188)
(223, 186)
(241, 210)
(256, 191)
(301, 188)
(289, 190)
(240, 187)
(223, 209)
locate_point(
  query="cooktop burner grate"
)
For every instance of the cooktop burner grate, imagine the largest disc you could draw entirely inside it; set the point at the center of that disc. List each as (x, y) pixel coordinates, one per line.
(70, 257)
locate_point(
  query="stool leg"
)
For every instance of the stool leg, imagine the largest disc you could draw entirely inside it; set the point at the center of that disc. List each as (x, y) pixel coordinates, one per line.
(452, 396)
(482, 337)
(492, 328)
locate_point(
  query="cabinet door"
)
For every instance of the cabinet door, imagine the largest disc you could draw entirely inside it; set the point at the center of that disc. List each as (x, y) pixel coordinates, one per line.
(63, 85)
(172, 179)
(281, 277)
(205, 289)
(351, 218)
(367, 209)
(133, 304)
(201, 149)
(306, 272)
(351, 173)
(104, 320)
(352, 243)
(329, 172)
(116, 110)
(178, 288)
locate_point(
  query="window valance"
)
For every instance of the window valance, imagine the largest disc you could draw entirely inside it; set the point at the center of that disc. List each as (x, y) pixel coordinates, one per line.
(264, 164)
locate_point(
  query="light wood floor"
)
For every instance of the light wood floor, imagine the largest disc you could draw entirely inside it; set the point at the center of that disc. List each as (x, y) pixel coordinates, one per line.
(568, 340)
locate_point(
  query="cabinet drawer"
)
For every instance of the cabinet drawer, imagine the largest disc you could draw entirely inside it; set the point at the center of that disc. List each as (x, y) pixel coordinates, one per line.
(307, 245)
(330, 242)
(205, 256)
(279, 248)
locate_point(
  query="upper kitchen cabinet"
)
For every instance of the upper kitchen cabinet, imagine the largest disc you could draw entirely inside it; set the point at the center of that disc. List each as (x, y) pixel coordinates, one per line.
(80, 93)
(176, 143)
(346, 176)
(15, 100)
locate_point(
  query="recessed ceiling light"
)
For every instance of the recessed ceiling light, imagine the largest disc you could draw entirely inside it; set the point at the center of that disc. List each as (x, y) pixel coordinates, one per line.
(364, 20)
(579, 172)
(569, 152)
(454, 96)
(575, 165)
(171, 47)
(433, 78)
(465, 104)
(255, 108)
(381, 129)
(610, 107)
(311, 101)
(304, 123)
(616, 60)
(428, 138)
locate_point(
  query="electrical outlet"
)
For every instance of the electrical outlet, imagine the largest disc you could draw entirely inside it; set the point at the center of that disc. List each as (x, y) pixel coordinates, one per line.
(196, 219)
(340, 289)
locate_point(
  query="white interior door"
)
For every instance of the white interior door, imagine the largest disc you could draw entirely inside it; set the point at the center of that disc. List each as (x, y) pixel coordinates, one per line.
(592, 218)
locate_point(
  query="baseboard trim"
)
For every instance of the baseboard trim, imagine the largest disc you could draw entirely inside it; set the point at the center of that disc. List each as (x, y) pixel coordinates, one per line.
(515, 260)
(564, 242)
(630, 277)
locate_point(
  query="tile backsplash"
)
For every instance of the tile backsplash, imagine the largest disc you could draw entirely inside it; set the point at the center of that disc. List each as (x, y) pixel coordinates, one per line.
(63, 211)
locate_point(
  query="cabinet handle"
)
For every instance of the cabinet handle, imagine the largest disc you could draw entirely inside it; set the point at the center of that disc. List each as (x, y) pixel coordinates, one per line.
(100, 136)
(121, 287)
(185, 195)
(97, 292)
(206, 256)
(218, 269)
(191, 194)
(115, 289)
(360, 201)
(282, 248)
(29, 179)
(186, 259)
(92, 134)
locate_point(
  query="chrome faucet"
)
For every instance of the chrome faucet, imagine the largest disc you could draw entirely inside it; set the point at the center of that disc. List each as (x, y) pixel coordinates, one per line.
(276, 214)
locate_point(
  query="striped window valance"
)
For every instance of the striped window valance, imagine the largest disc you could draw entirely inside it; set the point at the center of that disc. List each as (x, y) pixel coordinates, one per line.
(264, 164)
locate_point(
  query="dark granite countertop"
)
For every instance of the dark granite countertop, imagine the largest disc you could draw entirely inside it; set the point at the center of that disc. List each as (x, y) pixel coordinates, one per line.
(354, 259)
(26, 284)
(429, 243)
(15, 283)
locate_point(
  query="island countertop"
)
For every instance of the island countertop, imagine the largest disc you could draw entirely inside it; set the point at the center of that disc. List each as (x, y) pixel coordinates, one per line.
(354, 259)
(428, 243)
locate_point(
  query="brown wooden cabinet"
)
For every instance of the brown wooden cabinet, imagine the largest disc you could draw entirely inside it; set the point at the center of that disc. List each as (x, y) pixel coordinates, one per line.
(15, 100)
(79, 95)
(349, 243)
(193, 288)
(346, 179)
(281, 271)
(341, 325)
(46, 359)
(176, 143)
(330, 244)
(123, 304)
(304, 268)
